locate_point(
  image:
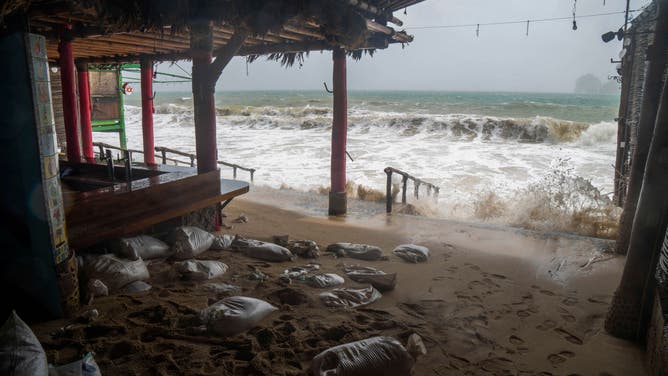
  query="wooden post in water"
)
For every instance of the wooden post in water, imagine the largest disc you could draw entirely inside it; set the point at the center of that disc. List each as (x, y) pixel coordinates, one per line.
(147, 110)
(337, 195)
(84, 110)
(651, 93)
(68, 81)
(631, 306)
(388, 190)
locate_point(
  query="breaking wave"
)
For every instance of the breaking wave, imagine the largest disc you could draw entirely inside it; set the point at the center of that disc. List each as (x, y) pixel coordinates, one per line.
(458, 127)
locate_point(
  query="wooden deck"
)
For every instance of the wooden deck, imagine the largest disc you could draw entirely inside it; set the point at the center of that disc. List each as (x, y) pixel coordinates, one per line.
(126, 209)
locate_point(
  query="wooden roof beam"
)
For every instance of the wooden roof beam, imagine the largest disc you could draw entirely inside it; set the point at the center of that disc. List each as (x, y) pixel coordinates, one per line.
(359, 4)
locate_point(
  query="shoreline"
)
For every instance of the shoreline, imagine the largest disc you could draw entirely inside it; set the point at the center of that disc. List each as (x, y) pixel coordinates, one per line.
(488, 301)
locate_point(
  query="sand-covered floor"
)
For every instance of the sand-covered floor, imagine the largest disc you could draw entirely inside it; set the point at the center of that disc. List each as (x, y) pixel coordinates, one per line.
(490, 301)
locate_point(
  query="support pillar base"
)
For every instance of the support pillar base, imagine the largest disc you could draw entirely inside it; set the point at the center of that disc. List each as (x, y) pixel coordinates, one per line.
(338, 203)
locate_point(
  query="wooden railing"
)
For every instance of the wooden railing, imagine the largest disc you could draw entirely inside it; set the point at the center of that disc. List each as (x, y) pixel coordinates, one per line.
(163, 155)
(405, 177)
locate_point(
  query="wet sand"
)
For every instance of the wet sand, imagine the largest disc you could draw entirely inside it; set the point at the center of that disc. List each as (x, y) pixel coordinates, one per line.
(490, 301)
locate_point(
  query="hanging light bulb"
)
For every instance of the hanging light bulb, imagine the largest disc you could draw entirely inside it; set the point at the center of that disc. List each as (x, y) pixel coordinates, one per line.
(575, 25)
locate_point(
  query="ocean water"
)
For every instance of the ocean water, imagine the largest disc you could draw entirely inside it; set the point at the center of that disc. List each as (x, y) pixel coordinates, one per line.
(527, 159)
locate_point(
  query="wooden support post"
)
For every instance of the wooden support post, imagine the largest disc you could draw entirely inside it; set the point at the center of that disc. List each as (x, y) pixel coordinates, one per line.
(337, 194)
(622, 124)
(631, 306)
(147, 110)
(651, 93)
(84, 110)
(68, 81)
(388, 191)
(203, 84)
(404, 188)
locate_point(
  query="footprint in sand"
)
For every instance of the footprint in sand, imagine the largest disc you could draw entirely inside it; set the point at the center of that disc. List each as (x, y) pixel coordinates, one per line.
(523, 314)
(561, 357)
(498, 276)
(599, 299)
(568, 318)
(546, 325)
(515, 340)
(570, 301)
(547, 292)
(568, 336)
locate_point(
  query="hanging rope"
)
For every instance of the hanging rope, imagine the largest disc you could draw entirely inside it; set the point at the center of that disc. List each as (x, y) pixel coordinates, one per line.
(575, 23)
(527, 28)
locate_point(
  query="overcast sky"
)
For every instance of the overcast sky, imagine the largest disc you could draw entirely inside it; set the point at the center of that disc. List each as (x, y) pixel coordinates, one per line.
(502, 58)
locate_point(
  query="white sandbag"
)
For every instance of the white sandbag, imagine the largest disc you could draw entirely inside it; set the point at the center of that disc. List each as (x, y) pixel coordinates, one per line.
(84, 367)
(115, 272)
(235, 315)
(144, 247)
(358, 251)
(350, 298)
(377, 278)
(190, 241)
(325, 280)
(136, 286)
(95, 288)
(376, 356)
(200, 270)
(21, 354)
(299, 272)
(412, 253)
(222, 242)
(262, 250)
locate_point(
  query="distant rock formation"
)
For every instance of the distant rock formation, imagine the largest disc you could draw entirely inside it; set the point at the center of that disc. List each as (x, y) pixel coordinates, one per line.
(590, 84)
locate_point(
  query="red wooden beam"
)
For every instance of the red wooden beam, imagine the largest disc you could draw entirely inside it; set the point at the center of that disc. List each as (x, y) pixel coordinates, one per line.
(147, 110)
(84, 109)
(337, 194)
(68, 81)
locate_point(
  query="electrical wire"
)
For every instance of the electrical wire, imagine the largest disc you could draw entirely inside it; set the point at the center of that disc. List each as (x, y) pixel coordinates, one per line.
(520, 22)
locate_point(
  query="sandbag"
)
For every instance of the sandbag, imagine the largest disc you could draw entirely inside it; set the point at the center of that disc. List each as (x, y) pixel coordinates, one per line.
(235, 315)
(412, 253)
(83, 367)
(190, 241)
(115, 272)
(96, 288)
(350, 298)
(134, 287)
(325, 280)
(301, 248)
(300, 272)
(200, 269)
(375, 277)
(262, 250)
(358, 251)
(21, 354)
(142, 246)
(222, 242)
(376, 356)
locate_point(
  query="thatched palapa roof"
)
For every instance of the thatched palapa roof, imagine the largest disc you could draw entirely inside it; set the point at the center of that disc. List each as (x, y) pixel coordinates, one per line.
(105, 31)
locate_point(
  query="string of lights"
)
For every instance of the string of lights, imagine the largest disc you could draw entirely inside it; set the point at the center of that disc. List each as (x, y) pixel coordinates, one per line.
(526, 22)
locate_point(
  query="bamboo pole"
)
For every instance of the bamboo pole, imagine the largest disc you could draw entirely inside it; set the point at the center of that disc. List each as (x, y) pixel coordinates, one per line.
(656, 62)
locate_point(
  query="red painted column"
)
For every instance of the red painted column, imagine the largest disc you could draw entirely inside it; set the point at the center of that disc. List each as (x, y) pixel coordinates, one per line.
(68, 81)
(84, 109)
(337, 194)
(147, 110)
(201, 46)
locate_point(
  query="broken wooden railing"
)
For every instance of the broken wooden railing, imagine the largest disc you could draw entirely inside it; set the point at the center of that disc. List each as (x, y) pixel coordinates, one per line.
(405, 177)
(163, 151)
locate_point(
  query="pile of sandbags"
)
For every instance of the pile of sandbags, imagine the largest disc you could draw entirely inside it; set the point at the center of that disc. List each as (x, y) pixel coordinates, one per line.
(190, 241)
(113, 272)
(200, 270)
(143, 246)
